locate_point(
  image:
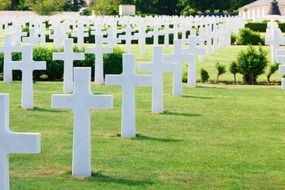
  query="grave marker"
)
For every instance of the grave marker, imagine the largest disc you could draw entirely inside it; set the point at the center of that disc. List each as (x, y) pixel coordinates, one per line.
(12, 142)
(82, 101)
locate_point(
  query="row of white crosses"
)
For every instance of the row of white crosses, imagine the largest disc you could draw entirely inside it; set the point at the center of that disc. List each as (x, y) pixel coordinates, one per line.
(81, 101)
(275, 39)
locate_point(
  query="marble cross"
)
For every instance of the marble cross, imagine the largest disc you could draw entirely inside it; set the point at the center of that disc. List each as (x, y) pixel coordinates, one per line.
(33, 39)
(192, 49)
(143, 35)
(80, 33)
(82, 101)
(8, 48)
(157, 68)
(11, 142)
(179, 57)
(68, 56)
(27, 65)
(128, 80)
(99, 52)
(128, 37)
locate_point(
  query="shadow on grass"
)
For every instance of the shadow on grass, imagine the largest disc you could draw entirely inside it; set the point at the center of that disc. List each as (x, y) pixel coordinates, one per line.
(150, 138)
(99, 177)
(181, 114)
(37, 109)
(199, 97)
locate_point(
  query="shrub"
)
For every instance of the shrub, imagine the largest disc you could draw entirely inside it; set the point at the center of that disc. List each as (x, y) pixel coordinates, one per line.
(221, 70)
(54, 72)
(188, 11)
(234, 70)
(272, 69)
(252, 63)
(249, 37)
(46, 7)
(204, 75)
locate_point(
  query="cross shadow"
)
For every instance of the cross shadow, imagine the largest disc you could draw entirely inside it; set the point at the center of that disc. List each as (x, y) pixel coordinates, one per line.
(150, 138)
(181, 114)
(38, 109)
(99, 177)
(199, 97)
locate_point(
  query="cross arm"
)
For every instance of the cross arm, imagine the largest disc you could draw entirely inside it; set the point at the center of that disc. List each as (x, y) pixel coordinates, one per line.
(144, 80)
(22, 143)
(62, 101)
(114, 80)
(102, 102)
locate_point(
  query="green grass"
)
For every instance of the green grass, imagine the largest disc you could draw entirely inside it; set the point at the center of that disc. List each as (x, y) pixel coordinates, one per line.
(214, 137)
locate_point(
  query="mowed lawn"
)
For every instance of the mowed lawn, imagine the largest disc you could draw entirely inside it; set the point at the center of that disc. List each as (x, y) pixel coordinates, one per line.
(213, 137)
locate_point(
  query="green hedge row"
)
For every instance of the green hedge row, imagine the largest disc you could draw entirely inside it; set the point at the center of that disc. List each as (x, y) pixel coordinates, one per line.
(54, 72)
(261, 26)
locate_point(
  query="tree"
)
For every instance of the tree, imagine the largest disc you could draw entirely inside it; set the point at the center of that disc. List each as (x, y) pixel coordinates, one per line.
(221, 70)
(252, 63)
(4, 4)
(272, 69)
(234, 70)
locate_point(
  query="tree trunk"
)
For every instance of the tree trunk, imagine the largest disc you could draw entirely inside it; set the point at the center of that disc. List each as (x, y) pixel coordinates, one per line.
(14, 4)
(235, 79)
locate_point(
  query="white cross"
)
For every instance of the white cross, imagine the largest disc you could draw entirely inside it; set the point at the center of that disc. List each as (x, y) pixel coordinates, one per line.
(179, 57)
(128, 80)
(80, 33)
(33, 38)
(8, 48)
(142, 38)
(27, 65)
(157, 67)
(192, 41)
(156, 33)
(11, 142)
(58, 37)
(112, 39)
(192, 49)
(82, 101)
(280, 58)
(128, 37)
(99, 52)
(68, 56)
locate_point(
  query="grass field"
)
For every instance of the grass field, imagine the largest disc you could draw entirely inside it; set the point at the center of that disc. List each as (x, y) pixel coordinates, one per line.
(214, 137)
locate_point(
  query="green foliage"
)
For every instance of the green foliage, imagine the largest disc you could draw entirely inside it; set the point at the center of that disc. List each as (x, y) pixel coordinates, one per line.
(249, 37)
(257, 26)
(204, 75)
(252, 63)
(54, 72)
(234, 69)
(47, 7)
(272, 69)
(188, 11)
(5, 4)
(221, 70)
(104, 7)
(23, 5)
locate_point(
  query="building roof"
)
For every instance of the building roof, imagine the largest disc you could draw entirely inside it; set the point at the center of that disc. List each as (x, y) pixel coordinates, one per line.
(262, 3)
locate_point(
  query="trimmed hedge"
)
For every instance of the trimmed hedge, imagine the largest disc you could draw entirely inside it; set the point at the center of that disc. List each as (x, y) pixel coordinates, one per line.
(54, 72)
(261, 26)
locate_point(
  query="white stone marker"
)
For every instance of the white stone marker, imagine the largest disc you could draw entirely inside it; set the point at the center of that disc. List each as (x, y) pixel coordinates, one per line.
(33, 39)
(128, 80)
(27, 65)
(99, 51)
(179, 57)
(8, 48)
(282, 71)
(193, 50)
(157, 67)
(128, 37)
(81, 102)
(11, 142)
(68, 56)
